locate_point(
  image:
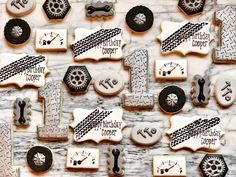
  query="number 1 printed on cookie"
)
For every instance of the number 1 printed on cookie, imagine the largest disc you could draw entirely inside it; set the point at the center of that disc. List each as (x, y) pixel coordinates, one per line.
(139, 72)
(185, 37)
(51, 93)
(98, 44)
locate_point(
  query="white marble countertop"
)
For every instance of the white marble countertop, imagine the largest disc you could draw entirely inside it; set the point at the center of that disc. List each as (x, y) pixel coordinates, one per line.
(139, 159)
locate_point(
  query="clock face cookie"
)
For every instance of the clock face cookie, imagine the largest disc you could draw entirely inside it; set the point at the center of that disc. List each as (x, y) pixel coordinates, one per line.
(98, 125)
(171, 99)
(195, 133)
(146, 133)
(139, 98)
(109, 84)
(169, 166)
(23, 69)
(22, 111)
(98, 44)
(185, 37)
(99, 9)
(226, 52)
(139, 18)
(51, 40)
(20, 7)
(6, 155)
(200, 92)
(116, 161)
(225, 92)
(40, 158)
(171, 69)
(17, 31)
(213, 165)
(82, 158)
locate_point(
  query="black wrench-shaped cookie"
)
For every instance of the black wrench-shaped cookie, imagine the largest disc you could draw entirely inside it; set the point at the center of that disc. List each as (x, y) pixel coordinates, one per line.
(99, 9)
(92, 9)
(22, 104)
(116, 160)
(200, 92)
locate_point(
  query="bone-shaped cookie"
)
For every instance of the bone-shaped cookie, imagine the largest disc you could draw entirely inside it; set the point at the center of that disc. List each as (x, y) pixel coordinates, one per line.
(200, 92)
(116, 160)
(22, 111)
(99, 9)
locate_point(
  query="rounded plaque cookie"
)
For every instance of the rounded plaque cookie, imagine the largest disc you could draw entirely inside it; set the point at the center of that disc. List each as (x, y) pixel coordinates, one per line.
(40, 158)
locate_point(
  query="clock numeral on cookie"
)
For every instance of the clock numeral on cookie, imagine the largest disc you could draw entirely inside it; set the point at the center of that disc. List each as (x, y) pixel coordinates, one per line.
(51, 93)
(226, 52)
(116, 160)
(200, 92)
(6, 168)
(139, 75)
(22, 111)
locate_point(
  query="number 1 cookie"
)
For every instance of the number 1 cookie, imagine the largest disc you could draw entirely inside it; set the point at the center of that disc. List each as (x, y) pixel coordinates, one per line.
(185, 37)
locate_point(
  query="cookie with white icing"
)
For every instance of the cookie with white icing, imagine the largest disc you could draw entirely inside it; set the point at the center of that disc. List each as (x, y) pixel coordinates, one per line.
(225, 92)
(185, 37)
(98, 44)
(20, 8)
(23, 69)
(108, 84)
(97, 125)
(195, 133)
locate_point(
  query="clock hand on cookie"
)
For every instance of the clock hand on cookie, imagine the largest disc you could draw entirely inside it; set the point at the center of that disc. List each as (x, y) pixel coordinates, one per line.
(80, 161)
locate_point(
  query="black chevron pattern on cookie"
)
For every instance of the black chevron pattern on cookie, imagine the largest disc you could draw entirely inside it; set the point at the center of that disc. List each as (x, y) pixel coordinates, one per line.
(181, 35)
(93, 40)
(19, 66)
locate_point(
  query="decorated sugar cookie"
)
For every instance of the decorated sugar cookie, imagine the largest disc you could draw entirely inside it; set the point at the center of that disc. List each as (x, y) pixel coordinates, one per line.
(23, 69)
(192, 7)
(40, 158)
(82, 158)
(109, 84)
(169, 166)
(226, 52)
(52, 130)
(146, 133)
(171, 69)
(77, 79)
(20, 7)
(99, 9)
(51, 40)
(213, 165)
(139, 98)
(200, 92)
(6, 155)
(116, 161)
(22, 111)
(56, 9)
(195, 133)
(185, 37)
(97, 125)
(225, 92)
(98, 44)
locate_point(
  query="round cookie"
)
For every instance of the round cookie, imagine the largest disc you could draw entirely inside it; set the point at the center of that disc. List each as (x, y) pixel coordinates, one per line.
(40, 158)
(139, 18)
(17, 31)
(146, 133)
(20, 8)
(171, 99)
(109, 84)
